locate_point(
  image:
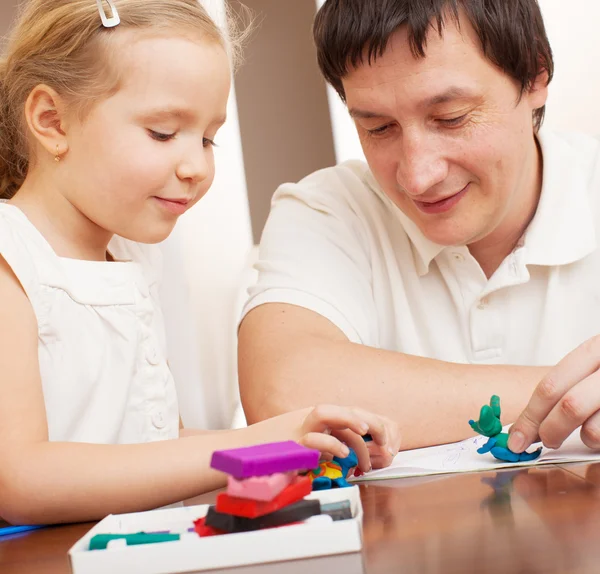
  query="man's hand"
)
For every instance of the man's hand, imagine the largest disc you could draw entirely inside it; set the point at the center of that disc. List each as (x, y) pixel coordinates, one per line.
(566, 398)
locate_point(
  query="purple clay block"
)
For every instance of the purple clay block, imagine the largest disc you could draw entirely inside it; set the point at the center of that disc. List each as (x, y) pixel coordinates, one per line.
(264, 459)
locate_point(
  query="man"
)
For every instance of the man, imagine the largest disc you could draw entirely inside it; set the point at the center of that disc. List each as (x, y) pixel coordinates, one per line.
(462, 262)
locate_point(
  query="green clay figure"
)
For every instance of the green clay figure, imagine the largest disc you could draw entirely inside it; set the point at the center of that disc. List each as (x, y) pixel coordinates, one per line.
(489, 425)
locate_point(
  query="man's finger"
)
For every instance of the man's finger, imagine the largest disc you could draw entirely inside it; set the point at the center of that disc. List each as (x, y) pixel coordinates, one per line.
(525, 429)
(575, 367)
(573, 410)
(590, 430)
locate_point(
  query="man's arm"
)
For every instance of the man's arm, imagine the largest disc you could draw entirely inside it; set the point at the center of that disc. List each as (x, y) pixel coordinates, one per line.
(290, 357)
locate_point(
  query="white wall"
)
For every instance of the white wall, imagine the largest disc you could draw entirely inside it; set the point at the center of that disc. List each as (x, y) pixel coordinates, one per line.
(574, 91)
(7, 13)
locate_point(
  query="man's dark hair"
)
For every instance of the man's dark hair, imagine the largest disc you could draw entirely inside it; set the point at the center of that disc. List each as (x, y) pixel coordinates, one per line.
(512, 34)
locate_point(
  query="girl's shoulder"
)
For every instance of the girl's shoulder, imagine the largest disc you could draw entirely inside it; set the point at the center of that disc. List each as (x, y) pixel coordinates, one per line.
(15, 227)
(22, 246)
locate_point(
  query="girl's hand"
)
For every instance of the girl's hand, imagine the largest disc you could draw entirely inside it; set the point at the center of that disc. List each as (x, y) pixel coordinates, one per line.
(327, 427)
(382, 455)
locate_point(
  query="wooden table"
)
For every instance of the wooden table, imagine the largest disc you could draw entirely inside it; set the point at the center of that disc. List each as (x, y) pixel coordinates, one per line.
(536, 520)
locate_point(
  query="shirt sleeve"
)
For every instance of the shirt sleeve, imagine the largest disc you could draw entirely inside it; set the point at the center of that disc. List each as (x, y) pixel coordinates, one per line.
(313, 253)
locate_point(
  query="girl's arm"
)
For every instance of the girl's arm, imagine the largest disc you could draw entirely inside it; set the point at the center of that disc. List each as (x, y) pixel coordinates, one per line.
(48, 482)
(42, 481)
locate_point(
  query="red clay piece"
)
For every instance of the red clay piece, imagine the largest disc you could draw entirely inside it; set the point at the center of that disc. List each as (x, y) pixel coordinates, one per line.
(202, 529)
(235, 506)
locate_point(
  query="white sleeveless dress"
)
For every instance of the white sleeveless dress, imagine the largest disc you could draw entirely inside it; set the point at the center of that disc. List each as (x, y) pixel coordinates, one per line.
(101, 343)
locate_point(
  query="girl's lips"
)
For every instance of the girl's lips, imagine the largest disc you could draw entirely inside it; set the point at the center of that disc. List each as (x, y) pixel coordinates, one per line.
(177, 207)
(442, 205)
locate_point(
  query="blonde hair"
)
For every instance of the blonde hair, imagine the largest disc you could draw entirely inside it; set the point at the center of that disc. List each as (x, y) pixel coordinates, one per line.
(63, 44)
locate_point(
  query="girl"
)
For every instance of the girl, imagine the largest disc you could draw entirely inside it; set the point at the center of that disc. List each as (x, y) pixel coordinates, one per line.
(108, 114)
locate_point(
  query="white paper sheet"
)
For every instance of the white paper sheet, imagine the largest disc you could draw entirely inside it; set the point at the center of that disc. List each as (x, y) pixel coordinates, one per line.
(463, 457)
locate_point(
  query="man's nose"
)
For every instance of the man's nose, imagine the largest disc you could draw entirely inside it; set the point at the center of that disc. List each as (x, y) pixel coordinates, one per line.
(421, 164)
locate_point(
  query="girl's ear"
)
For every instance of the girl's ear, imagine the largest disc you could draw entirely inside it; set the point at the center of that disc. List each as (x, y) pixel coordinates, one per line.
(45, 114)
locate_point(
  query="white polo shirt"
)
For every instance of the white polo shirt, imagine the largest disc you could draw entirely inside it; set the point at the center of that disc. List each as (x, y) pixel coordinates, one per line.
(335, 244)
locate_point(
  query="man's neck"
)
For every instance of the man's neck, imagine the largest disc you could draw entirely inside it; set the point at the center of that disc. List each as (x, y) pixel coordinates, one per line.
(493, 249)
(491, 256)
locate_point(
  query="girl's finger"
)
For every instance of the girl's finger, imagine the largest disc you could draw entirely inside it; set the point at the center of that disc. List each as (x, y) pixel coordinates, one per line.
(377, 427)
(381, 460)
(356, 443)
(324, 443)
(330, 417)
(383, 455)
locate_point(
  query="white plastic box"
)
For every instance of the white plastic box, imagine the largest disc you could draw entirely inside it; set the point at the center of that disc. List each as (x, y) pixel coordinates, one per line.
(335, 546)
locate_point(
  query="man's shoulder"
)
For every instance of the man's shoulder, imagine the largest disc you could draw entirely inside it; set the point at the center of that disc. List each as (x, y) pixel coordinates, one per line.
(578, 141)
(567, 146)
(350, 171)
(350, 183)
(572, 162)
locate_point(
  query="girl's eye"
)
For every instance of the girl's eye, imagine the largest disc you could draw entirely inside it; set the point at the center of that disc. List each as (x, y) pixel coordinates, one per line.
(158, 136)
(206, 142)
(453, 122)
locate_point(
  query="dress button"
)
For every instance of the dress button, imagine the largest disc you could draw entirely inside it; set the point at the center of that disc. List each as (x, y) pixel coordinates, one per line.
(152, 356)
(482, 304)
(158, 419)
(458, 256)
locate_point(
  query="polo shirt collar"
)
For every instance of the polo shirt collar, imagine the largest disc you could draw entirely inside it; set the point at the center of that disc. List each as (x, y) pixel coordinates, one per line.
(562, 230)
(424, 250)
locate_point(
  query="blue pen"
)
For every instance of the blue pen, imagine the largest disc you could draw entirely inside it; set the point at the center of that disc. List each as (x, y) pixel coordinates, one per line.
(6, 530)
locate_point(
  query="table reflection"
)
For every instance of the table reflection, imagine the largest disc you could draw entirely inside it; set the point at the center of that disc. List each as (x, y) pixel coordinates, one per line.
(514, 520)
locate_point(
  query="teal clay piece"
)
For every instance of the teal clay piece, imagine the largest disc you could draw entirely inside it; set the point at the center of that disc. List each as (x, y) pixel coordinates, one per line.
(489, 425)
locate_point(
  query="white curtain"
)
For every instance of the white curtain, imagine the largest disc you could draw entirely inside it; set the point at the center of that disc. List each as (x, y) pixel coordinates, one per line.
(205, 262)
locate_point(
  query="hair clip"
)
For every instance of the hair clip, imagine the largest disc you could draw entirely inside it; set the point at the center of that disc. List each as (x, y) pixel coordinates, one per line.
(106, 21)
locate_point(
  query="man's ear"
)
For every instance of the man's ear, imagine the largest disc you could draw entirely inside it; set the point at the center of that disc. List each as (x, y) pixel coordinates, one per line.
(538, 91)
(45, 113)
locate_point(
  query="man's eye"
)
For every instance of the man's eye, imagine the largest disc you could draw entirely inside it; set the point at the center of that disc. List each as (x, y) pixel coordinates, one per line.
(161, 137)
(207, 142)
(380, 130)
(453, 122)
